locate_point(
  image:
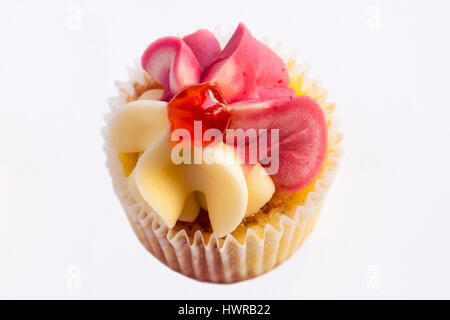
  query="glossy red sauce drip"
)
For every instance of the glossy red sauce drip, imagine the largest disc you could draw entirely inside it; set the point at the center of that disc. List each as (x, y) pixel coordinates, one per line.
(201, 102)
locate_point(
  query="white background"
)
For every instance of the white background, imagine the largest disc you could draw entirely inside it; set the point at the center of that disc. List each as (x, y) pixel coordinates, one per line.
(384, 231)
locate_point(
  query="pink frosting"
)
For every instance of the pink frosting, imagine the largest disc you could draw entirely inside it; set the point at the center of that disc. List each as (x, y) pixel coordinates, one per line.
(302, 136)
(249, 65)
(171, 62)
(254, 81)
(244, 69)
(204, 45)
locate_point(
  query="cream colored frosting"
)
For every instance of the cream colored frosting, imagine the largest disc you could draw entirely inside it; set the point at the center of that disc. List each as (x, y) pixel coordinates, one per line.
(176, 191)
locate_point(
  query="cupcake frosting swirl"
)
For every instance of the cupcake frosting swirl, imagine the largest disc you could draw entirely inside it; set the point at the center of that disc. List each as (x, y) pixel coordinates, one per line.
(254, 84)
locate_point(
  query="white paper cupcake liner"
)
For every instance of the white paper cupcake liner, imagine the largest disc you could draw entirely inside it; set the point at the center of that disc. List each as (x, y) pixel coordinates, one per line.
(223, 260)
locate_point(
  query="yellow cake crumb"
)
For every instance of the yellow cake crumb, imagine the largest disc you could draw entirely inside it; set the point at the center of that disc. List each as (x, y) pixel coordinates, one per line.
(128, 161)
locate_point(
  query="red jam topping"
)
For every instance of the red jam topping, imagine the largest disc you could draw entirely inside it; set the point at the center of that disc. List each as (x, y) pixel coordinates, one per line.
(203, 103)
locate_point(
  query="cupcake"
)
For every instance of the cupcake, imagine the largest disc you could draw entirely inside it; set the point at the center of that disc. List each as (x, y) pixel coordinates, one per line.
(221, 156)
